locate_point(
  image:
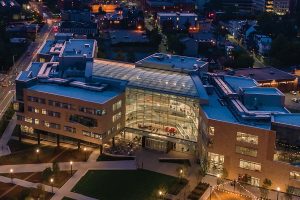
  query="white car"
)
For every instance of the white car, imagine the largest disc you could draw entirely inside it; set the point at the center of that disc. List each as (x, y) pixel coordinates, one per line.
(295, 100)
(293, 92)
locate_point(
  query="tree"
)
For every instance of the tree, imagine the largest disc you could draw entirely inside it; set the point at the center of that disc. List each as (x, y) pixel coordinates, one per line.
(264, 190)
(242, 59)
(131, 56)
(55, 168)
(47, 173)
(154, 37)
(174, 45)
(120, 56)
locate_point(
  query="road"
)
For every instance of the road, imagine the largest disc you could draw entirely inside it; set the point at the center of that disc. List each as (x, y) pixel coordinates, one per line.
(257, 62)
(7, 93)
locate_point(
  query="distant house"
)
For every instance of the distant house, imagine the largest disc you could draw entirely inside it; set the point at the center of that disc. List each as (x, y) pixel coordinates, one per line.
(128, 36)
(268, 77)
(180, 21)
(155, 6)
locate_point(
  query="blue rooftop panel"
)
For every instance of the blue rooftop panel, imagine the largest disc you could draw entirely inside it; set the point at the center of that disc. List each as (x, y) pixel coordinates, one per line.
(239, 82)
(289, 119)
(79, 47)
(76, 93)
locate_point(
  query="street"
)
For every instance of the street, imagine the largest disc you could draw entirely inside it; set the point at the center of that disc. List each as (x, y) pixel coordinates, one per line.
(7, 92)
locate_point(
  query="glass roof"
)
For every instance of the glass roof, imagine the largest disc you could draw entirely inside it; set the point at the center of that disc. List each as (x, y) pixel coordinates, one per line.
(152, 79)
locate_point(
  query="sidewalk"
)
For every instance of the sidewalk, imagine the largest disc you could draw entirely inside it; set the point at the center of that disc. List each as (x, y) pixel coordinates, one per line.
(4, 148)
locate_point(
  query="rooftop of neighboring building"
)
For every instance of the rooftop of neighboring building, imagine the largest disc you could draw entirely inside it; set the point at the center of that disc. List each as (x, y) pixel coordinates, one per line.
(178, 14)
(172, 63)
(128, 36)
(73, 24)
(158, 3)
(291, 119)
(87, 95)
(49, 44)
(240, 82)
(79, 47)
(264, 74)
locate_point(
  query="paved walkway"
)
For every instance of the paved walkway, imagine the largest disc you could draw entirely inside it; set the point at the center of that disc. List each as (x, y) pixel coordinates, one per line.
(4, 148)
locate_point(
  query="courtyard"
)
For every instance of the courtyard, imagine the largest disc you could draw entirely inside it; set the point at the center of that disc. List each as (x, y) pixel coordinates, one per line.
(127, 184)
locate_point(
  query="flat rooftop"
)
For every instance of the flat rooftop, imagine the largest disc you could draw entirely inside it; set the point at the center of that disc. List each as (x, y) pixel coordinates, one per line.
(128, 36)
(237, 83)
(79, 47)
(264, 74)
(289, 119)
(31, 72)
(262, 90)
(76, 93)
(171, 62)
(172, 14)
(45, 49)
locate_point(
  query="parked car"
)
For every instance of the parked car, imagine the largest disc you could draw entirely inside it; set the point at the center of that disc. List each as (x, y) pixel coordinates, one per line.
(293, 92)
(295, 100)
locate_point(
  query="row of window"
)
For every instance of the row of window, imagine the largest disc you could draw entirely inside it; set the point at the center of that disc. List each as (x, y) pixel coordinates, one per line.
(60, 104)
(250, 165)
(117, 105)
(36, 100)
(246, 151)
(43, 111)
(116, 117)
(92, 111)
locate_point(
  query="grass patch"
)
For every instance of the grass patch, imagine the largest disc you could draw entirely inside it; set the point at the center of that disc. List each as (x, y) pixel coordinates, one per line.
(5, 119)
(37, 177)
(46, 154)
(105, 157)
(177, 161)
(129, 184)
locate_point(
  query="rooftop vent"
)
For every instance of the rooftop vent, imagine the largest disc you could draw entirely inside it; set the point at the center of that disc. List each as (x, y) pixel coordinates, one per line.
(87, 45)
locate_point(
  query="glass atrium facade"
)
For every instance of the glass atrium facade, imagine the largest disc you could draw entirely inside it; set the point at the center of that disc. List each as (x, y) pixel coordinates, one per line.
(162, 114)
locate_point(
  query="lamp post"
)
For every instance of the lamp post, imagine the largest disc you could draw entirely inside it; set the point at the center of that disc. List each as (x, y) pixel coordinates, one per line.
(160, 194)
(84, 149)
(278, 190)
(51, 181)
(11, 171)
(71, 163)
(37, 154)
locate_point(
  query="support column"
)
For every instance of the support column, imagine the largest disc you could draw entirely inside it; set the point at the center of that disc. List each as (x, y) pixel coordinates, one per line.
(101, 149)
(57, 140)
(20, 136)
(113, 141)
(78, 144)
(38, 138)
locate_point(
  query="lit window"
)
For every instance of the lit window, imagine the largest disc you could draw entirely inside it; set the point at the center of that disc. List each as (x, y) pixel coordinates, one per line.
(117, 116)
(250, 165)
(28, 119)
(248, 138)
(117, 105)
(246, 151)
(295, 175)
(118, 126)
(44, 111)
(36, 110)
(211, 130)
(47, 124)
(36, 121)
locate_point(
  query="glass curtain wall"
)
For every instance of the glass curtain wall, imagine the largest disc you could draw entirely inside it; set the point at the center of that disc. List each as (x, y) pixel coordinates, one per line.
(162, 114)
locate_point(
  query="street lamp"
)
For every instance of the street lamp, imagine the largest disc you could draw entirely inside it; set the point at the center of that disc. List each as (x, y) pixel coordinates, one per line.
(71, 163)
(51, 181)
(84, 149)
(37, 154)
(278, 190)
(11, 171)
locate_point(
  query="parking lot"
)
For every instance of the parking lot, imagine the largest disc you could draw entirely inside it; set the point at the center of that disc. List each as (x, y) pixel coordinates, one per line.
(292, 101)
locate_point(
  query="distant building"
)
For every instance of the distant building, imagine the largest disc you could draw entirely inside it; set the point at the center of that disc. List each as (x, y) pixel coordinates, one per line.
(76, 15)
(155, 6)
(245, 6)
(179, 21)
(79, 28)
(281, 7)
(268, 77)
(263, 43)
(128, 36)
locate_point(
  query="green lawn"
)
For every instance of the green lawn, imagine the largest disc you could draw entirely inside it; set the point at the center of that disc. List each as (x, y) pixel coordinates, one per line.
(125, 184)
